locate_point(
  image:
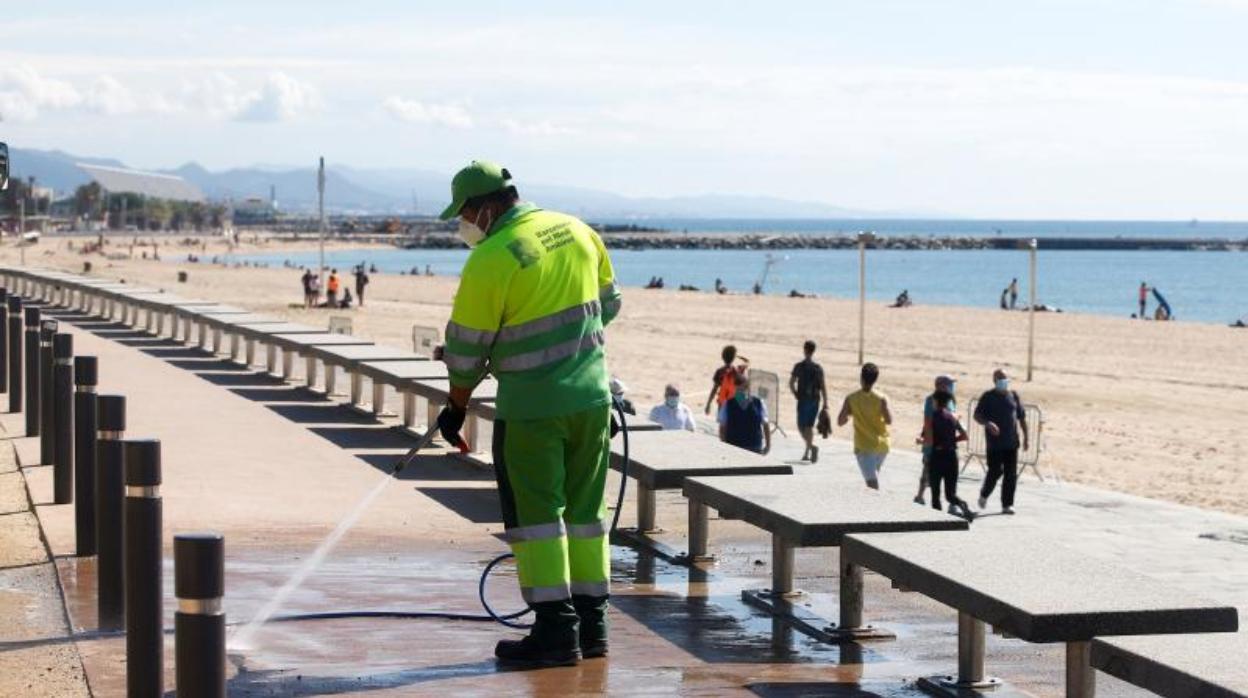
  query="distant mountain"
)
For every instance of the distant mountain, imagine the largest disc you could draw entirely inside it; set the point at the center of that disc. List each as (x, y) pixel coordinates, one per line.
(404, 190)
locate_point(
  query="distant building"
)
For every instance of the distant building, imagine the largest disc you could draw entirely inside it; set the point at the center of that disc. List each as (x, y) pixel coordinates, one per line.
(117, 180)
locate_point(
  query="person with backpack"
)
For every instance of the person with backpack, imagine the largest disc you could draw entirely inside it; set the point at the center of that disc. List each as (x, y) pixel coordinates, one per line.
(724, 381)
(743, 420)
(941, 433)
(1003, 417)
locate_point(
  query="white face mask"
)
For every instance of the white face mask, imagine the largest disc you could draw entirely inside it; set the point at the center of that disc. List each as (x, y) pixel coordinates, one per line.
(471, 233)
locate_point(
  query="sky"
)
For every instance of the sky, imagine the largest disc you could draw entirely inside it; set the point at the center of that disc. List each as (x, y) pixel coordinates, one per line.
(1098, 109)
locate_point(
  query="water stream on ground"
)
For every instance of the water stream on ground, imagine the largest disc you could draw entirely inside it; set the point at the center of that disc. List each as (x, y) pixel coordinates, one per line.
(242, 638)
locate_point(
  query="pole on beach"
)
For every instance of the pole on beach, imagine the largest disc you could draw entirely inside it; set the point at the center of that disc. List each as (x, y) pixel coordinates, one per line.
(320, 204)
(863, 238)
(32, 371)
(4, 339)
(86, 377)
(15, 354)
(1031, 310)
(63, 417)
(47, 449)
(199, 624)
(145, 644)
(109, 491)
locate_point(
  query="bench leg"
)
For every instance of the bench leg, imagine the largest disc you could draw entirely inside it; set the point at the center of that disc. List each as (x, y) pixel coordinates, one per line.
(233, 347)
(216, 340)
(645, 509)
(379, 399)
(288, 364)
(851, 596)
(781, 565)
(309, 372)
(471, 428)
(699, 530)
(409, 410)
(1080, 676)
(357, 389)
(970, 650)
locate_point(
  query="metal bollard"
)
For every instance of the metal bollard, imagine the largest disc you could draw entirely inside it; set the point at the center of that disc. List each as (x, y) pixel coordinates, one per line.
(109, 491)
(199, 624)
(145, 642)
(4, 339)
(32, 371)
(15, 354)
(63, 417)
(86, 377)
(47, 329)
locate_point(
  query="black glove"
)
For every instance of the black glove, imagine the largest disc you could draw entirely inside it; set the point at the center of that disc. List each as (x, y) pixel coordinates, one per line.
(450, 421)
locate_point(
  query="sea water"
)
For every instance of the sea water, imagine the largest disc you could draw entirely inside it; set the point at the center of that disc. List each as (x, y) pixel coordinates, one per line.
(1200, 286)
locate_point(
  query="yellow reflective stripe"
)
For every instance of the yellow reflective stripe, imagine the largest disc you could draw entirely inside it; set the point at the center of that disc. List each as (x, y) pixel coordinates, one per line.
(554, 529)
(550, 322)
(558, 592)
(591, 588)
(552, 353)
(468, 335)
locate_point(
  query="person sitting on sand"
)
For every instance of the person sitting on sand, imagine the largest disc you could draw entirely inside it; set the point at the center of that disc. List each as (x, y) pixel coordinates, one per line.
(720, 288)
(1005, 294)
(796, 294)
(903, 300)
(687, 287)
(346, 299)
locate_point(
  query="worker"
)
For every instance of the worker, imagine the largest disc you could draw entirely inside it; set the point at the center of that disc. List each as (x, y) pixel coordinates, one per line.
(533, 299)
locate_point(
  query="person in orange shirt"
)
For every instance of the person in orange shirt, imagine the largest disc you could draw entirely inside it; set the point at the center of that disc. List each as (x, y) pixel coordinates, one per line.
(331, 289)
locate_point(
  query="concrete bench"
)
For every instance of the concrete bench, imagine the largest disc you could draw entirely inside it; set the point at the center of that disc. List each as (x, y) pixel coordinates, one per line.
(1209, 666)
(1032, 588)
(160, 308)
(300, 344)
(437, 392)
(400, 375)
(123, 302)
(194, 315)
(262, 333)
(808, 510)
(348, 358)
(661, 460)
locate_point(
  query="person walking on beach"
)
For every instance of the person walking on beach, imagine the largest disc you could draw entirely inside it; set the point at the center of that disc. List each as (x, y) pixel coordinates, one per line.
(331, 289)
(743, 420)
(1005, 295)
(1003, 417)
(306, 280)
(361, 281)
(941, 433)
(869, 409)
(807, 385)
(1143, 298)
(724, 380)
(673, 415)
(535, 296)
(1013, 288)
(314, 283)
(944, 383)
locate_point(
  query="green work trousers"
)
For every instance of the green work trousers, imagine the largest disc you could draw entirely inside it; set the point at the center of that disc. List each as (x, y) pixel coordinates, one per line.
(551, 479)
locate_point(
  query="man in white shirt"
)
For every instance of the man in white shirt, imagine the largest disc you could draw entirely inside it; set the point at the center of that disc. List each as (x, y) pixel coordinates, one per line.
(673, 414)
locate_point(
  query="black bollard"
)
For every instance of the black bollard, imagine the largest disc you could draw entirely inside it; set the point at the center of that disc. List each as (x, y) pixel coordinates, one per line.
(47, 329)
(199, 624)
(15, 354)
(32, 371)
(63, 417)
(4, 339)
(109, 492)
(86, 377)
(145, 645)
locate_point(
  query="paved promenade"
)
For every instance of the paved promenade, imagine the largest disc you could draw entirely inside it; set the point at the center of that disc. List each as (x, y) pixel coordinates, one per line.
(275, 467)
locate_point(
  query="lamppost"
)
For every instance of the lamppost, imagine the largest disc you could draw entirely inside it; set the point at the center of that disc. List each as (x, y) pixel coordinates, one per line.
(1031, 309)
(863, 238)
(320, 194)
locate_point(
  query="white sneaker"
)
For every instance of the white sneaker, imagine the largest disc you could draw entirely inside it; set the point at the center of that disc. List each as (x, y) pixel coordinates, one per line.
(983, 502)
(953, 509)
(1009, 511)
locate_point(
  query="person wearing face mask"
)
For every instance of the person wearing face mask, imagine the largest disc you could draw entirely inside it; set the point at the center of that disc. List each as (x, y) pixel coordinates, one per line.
(1004, 418)
(534, 298)
(944, 383)
(673, 414)
(743, 420)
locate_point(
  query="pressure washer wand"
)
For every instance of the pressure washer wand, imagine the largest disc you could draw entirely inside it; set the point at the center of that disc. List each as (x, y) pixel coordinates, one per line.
(420, 446)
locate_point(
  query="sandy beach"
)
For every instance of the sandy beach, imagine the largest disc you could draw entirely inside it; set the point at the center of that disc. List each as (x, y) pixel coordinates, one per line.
(1143, 408)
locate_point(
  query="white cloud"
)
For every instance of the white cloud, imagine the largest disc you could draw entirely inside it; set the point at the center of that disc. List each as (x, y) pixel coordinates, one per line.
(542, 128)
(281, 98)
(412, 111)
(24, 92)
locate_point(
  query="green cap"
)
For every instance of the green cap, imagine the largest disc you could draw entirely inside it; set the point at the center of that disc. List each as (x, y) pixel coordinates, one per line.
(477, 179)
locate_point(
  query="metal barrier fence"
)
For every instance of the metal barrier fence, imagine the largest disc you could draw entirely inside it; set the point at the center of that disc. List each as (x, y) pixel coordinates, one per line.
(766, 387)
(977, 446)
(424, 339)
(339, 324)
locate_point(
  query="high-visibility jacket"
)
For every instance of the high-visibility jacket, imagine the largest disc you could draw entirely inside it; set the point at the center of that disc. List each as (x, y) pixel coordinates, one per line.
(533, 300)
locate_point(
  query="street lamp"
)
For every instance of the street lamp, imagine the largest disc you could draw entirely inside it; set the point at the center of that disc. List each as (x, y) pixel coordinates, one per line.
(864, 237)
(1031, 309)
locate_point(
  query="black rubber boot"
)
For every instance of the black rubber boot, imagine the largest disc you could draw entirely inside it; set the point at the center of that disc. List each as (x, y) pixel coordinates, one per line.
(592, 612)
(551, 642)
